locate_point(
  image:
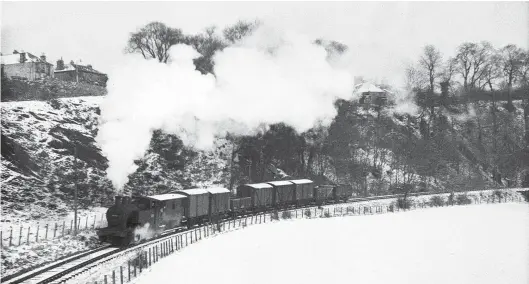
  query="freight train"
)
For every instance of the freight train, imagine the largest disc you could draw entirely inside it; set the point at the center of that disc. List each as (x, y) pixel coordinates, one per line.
(157, 214)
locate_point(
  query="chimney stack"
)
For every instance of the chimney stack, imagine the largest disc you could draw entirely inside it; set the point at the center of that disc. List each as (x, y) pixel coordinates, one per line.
(22, 57)
(60, 64)
(43, 57)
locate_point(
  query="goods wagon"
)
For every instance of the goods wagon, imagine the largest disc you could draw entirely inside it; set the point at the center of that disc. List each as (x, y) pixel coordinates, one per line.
(261, 194)
(304, 190)
(342, 192)
(219, 201)
(284, 192)
(323, 193)
(197, 205)
(241, 204)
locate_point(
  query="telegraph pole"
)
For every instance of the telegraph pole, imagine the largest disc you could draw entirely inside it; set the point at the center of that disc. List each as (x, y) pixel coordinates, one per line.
(75, 191)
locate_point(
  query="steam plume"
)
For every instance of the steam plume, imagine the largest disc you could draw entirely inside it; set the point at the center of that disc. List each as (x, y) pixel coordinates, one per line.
(268, 78)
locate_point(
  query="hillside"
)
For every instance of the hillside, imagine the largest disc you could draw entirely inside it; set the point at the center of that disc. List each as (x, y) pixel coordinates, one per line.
(38, 174)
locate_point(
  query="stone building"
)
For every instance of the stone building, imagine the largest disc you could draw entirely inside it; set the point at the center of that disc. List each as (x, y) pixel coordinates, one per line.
(79, 73)
(26, 65)
(370, 94)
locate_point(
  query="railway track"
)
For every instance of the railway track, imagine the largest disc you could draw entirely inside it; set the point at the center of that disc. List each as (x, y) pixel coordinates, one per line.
(67, 268)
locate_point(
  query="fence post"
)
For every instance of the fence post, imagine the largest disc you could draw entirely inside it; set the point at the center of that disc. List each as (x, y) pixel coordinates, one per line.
(71, 227)
(63, 226)
(11, 237)
(129, 269)
(20, 236)
(46, 231)
(94, 226)
(29, 230)
(37, 236)
(55, 230)
(79, 224)
(113, 277)
(150, 252)
(106, 279)
(121, 274)
(86, 225)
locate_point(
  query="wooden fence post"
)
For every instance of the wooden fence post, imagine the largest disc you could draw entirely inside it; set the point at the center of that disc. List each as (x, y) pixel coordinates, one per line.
(113, 277)
(86, 224)
(37, 236)
(94, 225)
(55, 230)
(29, 230)
(63, 226)
(129, 269)
(11, 237)
(20, 236)
(71, 227)
(106, 279)
(46, 231)
(121, 274)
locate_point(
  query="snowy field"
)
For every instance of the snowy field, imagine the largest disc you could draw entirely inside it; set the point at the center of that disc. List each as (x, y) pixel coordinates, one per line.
(486, 243)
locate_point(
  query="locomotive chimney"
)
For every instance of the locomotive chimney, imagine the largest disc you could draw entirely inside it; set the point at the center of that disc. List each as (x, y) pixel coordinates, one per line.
(118, 200)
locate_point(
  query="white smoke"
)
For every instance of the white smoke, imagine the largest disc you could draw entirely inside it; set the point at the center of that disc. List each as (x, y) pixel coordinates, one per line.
(268, 78)
(143, 233)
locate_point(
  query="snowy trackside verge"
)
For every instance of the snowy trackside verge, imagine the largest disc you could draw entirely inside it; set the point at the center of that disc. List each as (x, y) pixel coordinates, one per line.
(26, 256)
(463, 244)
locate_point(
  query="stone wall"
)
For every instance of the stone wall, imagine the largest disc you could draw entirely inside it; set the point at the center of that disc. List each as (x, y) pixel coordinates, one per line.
(46, 89)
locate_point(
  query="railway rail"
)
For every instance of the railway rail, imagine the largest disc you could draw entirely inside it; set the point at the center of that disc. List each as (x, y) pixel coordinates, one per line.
(67, 268)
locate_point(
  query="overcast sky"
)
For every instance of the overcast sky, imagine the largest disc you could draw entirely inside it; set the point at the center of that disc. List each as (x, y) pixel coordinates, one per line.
(382, 36)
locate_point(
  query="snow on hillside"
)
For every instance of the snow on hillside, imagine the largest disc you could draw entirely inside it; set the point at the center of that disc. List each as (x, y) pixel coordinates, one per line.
(464, 244)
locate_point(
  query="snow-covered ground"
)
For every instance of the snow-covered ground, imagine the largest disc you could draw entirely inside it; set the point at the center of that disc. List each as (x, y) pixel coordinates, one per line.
(485, 243)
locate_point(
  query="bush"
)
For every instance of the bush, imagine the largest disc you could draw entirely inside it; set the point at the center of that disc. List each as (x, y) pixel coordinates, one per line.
(404, 203)
(326, 214)
(308, 213)
(286, 215)
(437, 201)
(274, 215)
(498, 194)
(463, 199)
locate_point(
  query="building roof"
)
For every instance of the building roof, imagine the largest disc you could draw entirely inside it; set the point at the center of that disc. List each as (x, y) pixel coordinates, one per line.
(83, 68)
(367, 88)
(301, 181)
(279, 182)
(168, 196)
(15, 58)
(258, 185)
(192, 191)
(216, 190)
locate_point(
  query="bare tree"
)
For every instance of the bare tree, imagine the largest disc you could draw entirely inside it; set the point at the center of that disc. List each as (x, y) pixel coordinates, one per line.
(207, 44)
(511, 64)
(240, 30)
(471, 59)
(154, 41)
(430, 62)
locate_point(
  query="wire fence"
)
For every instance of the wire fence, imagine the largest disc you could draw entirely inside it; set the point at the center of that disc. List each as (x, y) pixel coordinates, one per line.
(143, 258)
(24, 235)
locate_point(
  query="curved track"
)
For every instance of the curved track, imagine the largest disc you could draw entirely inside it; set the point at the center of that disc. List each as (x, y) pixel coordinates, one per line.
(54, 272)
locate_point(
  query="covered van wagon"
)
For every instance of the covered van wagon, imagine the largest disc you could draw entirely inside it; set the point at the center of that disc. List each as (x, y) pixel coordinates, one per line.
(219, 201)
(304, 190)
(197, 202)
(284, 192)
(261, 194)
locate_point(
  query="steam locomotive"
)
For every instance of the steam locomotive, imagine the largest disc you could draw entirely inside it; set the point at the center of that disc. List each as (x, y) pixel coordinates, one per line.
(157, 214)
